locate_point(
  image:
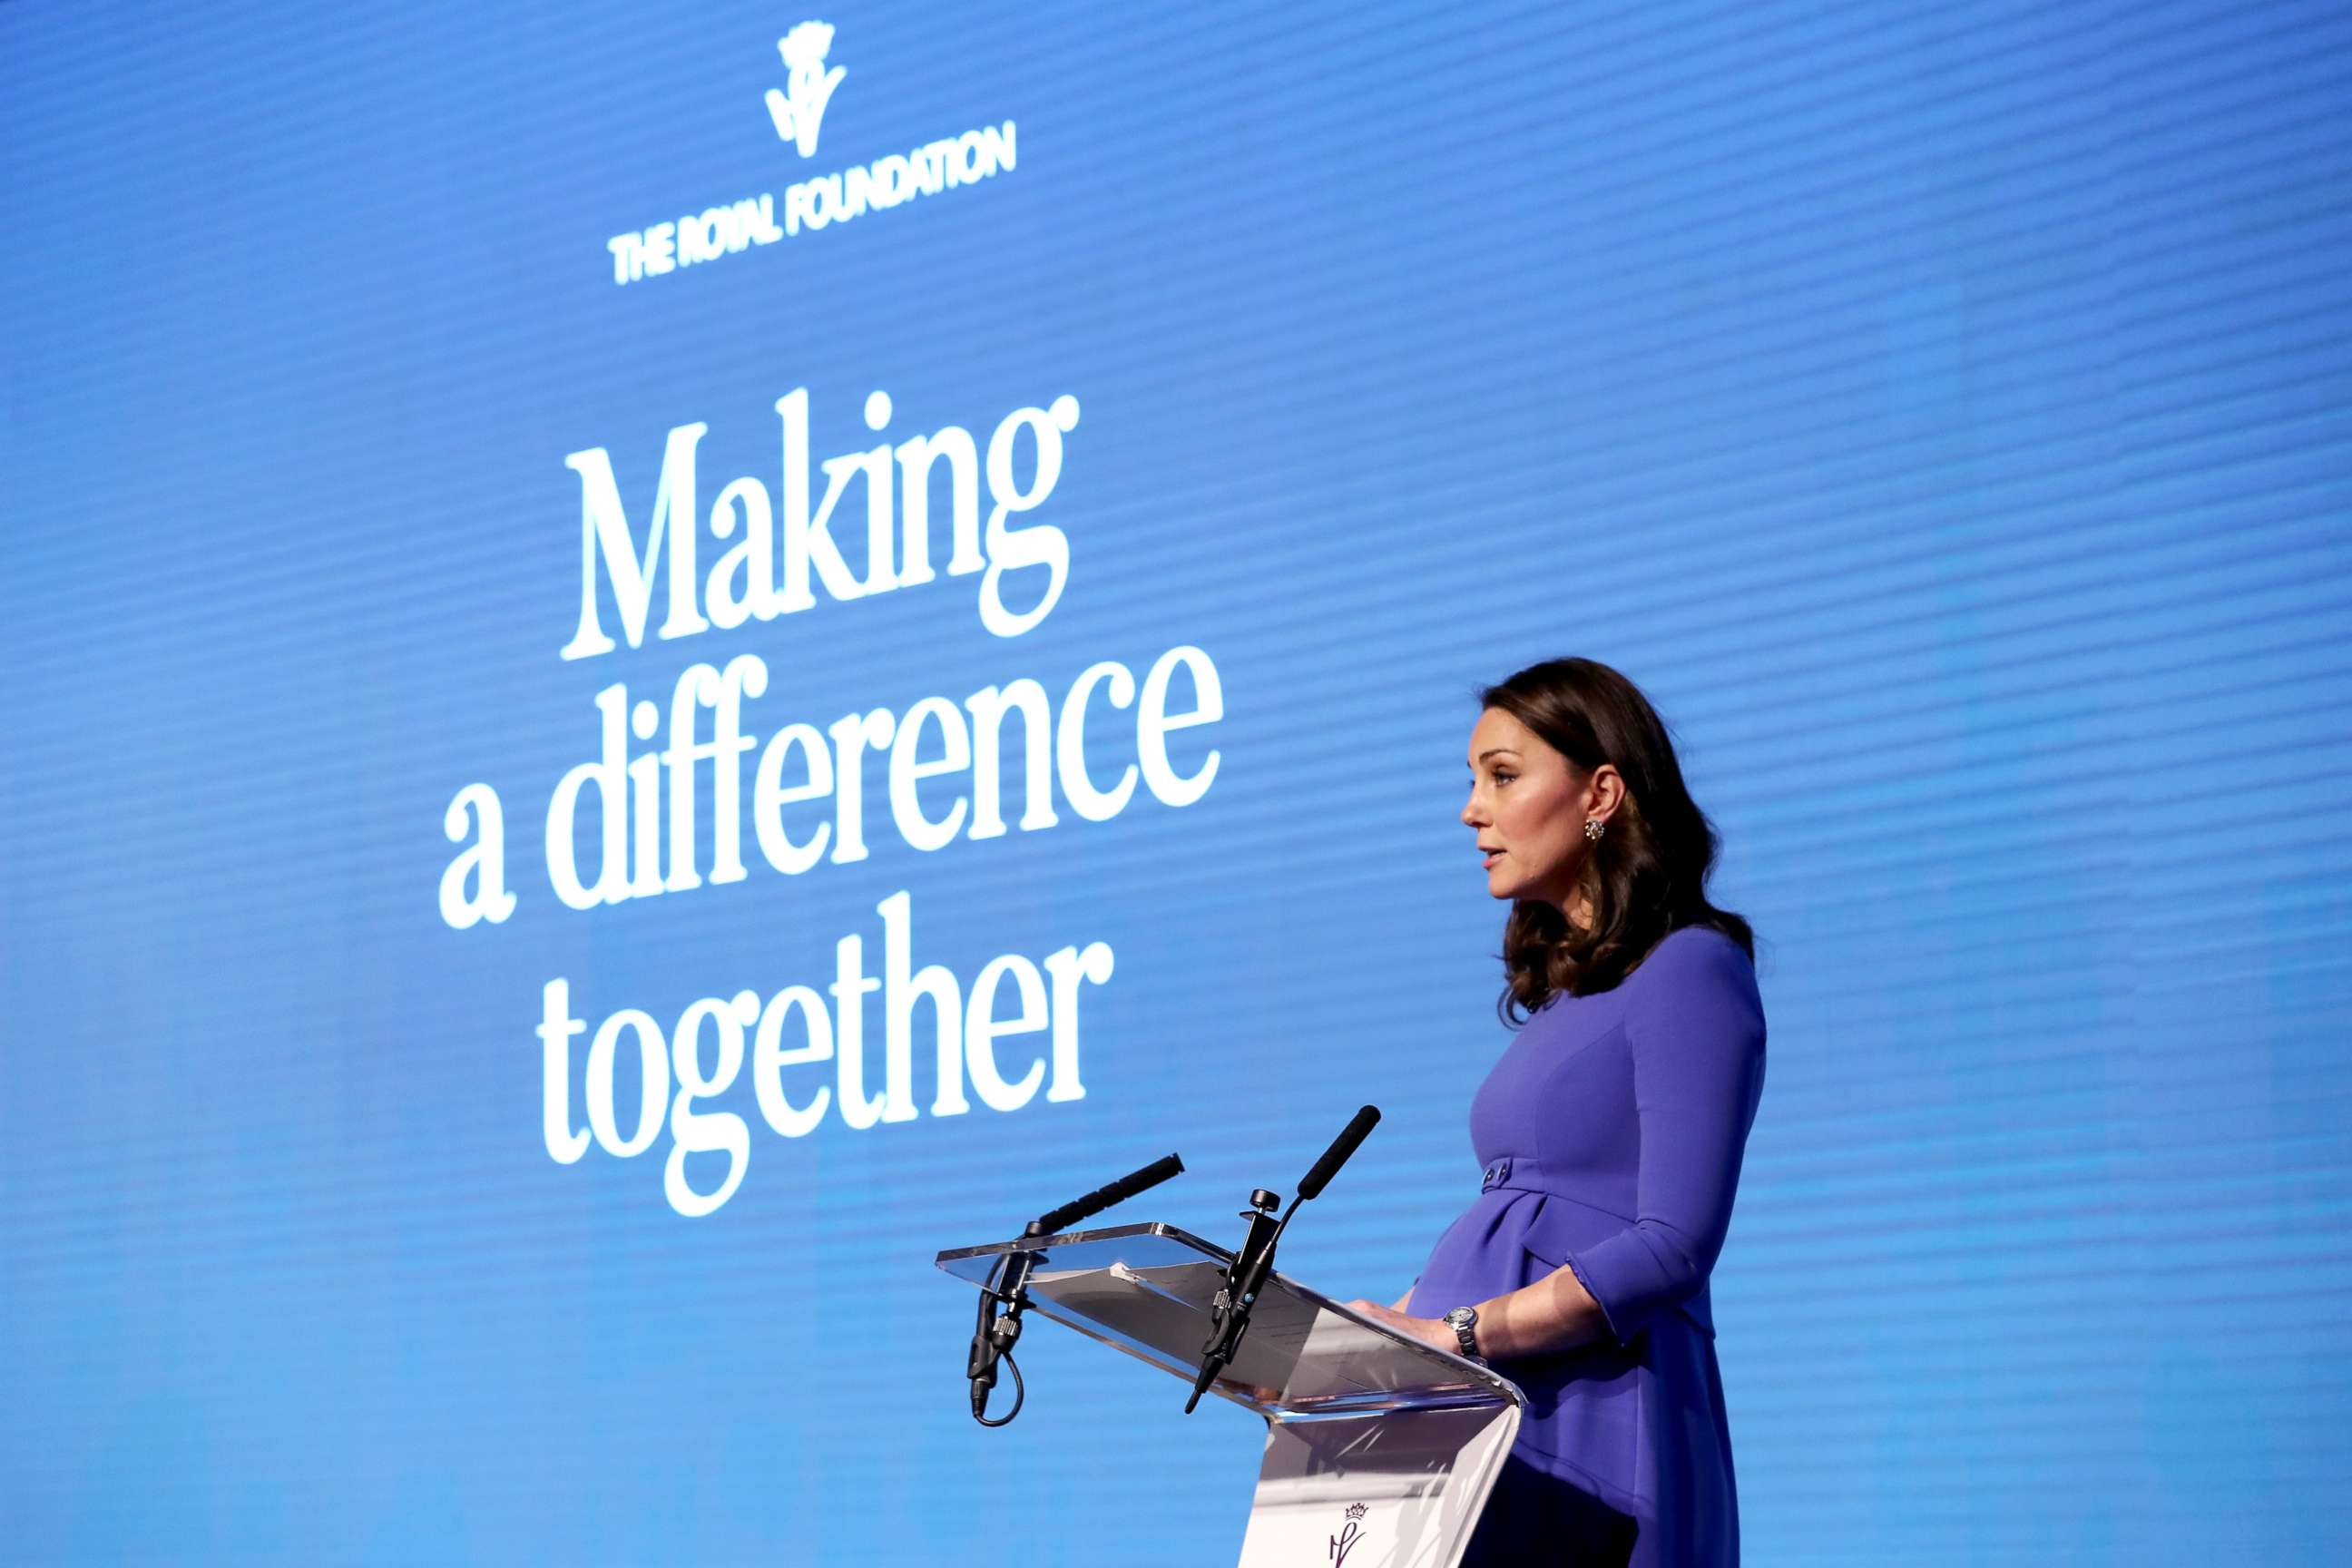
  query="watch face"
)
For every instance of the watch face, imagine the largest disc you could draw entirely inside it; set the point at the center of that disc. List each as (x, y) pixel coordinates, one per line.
(1462, 1317)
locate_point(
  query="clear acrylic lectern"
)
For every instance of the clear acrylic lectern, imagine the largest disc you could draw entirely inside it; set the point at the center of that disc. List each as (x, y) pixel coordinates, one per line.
(1380, 1450)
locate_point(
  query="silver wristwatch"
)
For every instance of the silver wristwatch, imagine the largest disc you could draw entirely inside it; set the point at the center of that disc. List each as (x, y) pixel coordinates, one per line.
(1463, 1321)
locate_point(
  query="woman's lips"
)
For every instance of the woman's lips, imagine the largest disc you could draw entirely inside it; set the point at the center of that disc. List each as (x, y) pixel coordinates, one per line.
(1491, 856)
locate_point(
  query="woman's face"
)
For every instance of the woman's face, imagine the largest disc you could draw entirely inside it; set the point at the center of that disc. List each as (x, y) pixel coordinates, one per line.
(1528, 807)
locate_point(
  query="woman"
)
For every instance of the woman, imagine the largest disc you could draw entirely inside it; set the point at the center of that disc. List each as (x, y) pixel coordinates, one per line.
(1610, 1133)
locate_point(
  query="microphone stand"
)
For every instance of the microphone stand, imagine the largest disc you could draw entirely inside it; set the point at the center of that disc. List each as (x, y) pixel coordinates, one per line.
(1245, 1277)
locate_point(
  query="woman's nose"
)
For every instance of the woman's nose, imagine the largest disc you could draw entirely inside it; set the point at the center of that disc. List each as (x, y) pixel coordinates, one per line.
(1470, 810)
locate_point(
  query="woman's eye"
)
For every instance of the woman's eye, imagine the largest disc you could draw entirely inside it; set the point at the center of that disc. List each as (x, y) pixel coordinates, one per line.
(1501, 778)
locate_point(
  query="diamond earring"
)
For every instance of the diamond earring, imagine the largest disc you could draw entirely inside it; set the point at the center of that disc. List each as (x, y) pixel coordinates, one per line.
(1593, 828)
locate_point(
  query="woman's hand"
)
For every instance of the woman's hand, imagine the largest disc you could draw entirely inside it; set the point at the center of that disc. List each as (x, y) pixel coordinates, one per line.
(1429, 1332)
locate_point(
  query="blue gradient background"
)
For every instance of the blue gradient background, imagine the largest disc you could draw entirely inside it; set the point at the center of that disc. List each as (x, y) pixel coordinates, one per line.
(1941, 412)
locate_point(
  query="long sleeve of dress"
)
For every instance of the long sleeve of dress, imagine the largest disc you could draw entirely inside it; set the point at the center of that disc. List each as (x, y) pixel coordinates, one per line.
(1696, 1031)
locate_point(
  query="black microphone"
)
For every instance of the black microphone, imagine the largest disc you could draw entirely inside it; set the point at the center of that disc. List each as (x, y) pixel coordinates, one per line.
(999, 1325)
(1350, 1138)
(1102, 1197)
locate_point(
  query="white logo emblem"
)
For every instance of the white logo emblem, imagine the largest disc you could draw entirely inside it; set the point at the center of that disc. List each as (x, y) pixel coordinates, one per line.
(798, 109)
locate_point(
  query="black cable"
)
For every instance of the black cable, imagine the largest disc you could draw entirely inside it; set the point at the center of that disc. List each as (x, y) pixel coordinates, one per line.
(1020, 1393)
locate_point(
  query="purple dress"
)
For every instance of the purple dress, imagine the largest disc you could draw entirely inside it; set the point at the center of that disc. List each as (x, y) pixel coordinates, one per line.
(1611, 1133)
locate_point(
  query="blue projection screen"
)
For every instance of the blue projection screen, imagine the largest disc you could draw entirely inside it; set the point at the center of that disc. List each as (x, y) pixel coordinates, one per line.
(662, 658)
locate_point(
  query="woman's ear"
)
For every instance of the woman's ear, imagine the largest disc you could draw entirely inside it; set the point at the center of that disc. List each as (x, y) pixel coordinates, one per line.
(1604, 791)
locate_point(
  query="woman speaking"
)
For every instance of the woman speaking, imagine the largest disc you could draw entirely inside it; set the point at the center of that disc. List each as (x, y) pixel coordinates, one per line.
(1609, 1134)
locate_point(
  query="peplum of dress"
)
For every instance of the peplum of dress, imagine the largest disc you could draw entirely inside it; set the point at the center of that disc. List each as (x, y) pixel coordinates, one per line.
(1610, 1137)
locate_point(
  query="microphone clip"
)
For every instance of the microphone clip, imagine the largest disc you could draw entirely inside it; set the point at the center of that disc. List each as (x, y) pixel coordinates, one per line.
(994, 1335)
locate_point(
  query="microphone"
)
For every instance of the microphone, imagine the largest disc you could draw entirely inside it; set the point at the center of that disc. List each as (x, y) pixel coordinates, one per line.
(1351, 1138)
(1246, 1274)
(1103, 1197)
(999, 1325)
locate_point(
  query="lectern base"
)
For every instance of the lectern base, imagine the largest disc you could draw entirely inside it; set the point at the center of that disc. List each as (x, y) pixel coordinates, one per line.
(1399, 1489)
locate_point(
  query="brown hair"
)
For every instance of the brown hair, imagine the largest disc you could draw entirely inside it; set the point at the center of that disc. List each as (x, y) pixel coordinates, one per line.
(1646, 875)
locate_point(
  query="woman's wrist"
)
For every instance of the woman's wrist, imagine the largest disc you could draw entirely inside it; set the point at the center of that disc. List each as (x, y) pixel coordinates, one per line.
(1498, 1337)
(1555, 1313)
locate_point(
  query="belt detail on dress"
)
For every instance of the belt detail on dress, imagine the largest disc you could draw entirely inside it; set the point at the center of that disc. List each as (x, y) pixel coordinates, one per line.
(1521, 1174)
(1521, 1171)
(1517, 1171)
